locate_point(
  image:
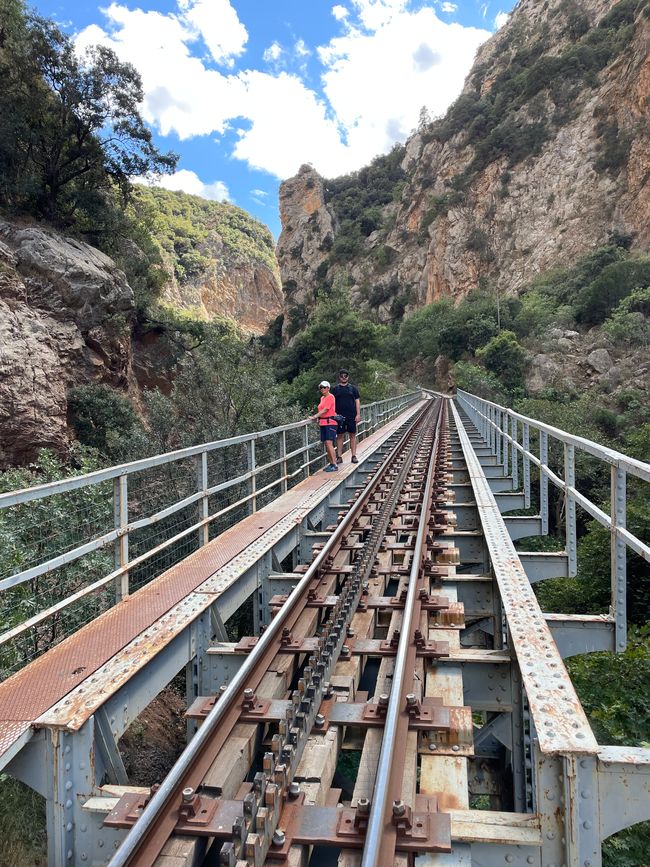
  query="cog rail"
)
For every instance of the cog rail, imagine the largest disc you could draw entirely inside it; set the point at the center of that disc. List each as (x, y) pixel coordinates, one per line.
(269, 815)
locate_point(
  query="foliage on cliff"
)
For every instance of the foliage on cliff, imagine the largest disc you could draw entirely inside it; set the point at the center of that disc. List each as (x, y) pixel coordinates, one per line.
(187, 227)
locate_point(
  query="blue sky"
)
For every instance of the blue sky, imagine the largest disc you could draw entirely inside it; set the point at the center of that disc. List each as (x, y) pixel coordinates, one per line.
(245, 91)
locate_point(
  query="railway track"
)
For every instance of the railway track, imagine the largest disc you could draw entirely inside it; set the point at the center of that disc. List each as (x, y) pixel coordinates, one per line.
(384, 542)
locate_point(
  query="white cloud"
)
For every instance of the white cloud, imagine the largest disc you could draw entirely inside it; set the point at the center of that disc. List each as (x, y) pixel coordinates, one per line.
(448, 7)
(260, 194)
(188, 182)
(387, 64)
(217, 23)
(429, 60)
(273, 52)
(500, 19)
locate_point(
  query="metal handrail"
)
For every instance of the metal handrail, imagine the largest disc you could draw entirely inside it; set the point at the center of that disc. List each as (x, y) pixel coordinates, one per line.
(499, 426)
(374, 415)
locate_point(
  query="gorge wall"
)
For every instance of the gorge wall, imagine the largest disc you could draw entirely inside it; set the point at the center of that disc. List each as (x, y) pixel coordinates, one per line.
(546, 153)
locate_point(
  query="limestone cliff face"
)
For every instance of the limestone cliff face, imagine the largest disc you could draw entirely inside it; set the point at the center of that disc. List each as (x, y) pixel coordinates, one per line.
(65, 319)
(497, 205)
(247, 292)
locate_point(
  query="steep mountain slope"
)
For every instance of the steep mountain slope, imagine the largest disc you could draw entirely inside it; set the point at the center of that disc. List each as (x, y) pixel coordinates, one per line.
(545, 153)
(220, 260)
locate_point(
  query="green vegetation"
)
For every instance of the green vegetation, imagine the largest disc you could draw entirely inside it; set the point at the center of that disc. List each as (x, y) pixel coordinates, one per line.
(357, 201)
(71, 134)
(187, 226)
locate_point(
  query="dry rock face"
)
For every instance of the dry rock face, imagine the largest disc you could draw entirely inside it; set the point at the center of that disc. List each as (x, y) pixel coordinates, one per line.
(247, 292)
(511, 222)
(64, 310)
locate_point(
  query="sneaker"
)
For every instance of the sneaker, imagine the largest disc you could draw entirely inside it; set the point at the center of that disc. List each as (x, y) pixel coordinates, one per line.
(332, 468)
(355, 459)
(339, 459)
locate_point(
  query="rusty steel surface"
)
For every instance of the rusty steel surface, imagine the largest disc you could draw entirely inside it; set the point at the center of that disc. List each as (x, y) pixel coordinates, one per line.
(37, 687)
(161, 815)
(560, 720)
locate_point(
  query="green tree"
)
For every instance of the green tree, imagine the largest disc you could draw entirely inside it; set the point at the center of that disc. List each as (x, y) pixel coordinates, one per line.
(506, 358)
(70, 126)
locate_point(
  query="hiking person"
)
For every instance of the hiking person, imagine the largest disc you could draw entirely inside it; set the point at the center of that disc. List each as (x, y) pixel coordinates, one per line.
(348, 405)
(327, 422)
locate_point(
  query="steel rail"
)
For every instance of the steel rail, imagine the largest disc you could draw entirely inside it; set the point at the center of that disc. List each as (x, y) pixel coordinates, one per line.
(380, 819)
(159, 817)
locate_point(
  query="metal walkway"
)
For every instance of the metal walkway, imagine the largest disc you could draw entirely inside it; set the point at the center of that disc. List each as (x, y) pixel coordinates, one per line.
(468, 683)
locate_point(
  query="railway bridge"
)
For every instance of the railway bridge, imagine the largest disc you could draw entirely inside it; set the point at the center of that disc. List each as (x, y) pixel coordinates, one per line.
(369, 678)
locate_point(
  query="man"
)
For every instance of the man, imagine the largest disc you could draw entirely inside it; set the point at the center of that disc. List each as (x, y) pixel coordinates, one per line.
(348, 404)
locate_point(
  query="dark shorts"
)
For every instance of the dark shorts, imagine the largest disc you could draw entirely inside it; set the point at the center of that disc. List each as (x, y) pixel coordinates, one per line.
(328, 433)
(348, 425)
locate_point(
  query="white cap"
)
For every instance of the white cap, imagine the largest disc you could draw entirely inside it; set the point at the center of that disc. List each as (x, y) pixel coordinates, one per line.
(324, 384)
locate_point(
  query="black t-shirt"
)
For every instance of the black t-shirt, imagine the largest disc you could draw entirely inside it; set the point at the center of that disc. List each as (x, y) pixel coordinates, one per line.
(346, 397)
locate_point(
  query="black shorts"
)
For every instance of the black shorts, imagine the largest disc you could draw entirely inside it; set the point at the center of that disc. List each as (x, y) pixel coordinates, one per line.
(348, 425)
(327, 433)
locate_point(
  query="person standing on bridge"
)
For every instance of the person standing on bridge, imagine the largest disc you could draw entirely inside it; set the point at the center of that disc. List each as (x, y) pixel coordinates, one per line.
(327, 422)
(348, 404)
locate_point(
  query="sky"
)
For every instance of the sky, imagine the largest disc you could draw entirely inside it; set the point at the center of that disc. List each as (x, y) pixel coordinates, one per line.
(246, 91)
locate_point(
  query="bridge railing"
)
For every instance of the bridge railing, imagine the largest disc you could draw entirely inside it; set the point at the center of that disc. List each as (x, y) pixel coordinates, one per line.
(70, 549)
(509, 435)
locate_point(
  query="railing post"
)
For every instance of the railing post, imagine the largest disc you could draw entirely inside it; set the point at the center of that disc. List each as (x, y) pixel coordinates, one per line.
(202, 485)
(504, 428)
(283, 466)
(619, 557)
(305, 432)
(570, 508)
(515, 455)
(497, 434)
(525, 442)
(373, 418)
(121, 523)
(252, 482)
(543, 481)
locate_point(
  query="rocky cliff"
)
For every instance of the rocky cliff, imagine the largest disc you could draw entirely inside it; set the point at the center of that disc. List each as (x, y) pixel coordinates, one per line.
(68, 313)
(220, 261)
(65, 319)
(546, 152)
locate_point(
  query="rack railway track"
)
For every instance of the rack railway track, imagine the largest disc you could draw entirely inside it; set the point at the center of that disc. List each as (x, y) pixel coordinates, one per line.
(405, 631)
(387, 534)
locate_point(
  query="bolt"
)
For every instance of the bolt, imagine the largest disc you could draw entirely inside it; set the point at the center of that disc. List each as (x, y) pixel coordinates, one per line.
(188, 794)
(294, 789)
(345, 652)
(319, 720)
(411, 699)
(363, 806)
(278, 837)
(249, 694)
(433, 747)
(455, 748)
(383, 700)
(399, 808)
(351, 633)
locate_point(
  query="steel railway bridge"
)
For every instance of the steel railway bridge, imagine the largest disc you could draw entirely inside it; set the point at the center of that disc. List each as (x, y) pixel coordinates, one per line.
(384, 609)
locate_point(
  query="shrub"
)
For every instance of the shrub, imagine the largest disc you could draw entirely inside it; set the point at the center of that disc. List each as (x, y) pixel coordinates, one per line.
(616, 281)
(101, 417)
(629, 324)
(504, 357)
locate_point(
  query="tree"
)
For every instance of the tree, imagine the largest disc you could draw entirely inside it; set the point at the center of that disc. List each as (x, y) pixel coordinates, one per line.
(70, 126)
(504, 357)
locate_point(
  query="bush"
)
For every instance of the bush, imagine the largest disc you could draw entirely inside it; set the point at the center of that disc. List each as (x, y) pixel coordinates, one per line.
(102, 418)
(504, 357)
(629, 324)
(596, 300)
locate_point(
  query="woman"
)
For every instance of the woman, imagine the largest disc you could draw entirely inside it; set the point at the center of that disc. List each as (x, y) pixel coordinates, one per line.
(328, 425)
